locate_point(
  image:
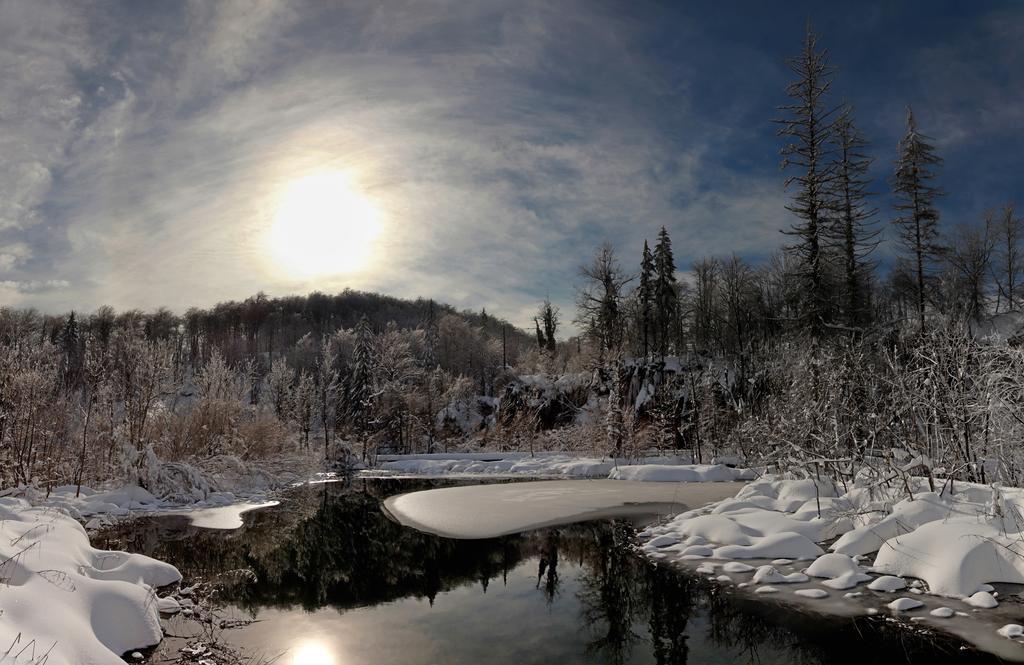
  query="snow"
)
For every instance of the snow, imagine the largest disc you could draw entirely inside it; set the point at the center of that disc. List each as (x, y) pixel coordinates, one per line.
(488, 511)
(222, 517)
(942, 612)
(905, 604)
(90, 605)
(888, 583)
(812, 593)
(982, 599)
(832, 565)
(691, 473)
(846, 581)
(1011, 630)
(651, 469)
(169, 605)
(958, 539)
(664, 541)
(777, 544)
(770, 575)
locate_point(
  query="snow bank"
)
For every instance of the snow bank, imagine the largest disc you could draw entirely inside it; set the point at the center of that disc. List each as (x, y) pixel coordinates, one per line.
(691, 473)
(510, 465)
(83, 605)
(214, 497)
(957, 540)
(488, 511)
(653, 469)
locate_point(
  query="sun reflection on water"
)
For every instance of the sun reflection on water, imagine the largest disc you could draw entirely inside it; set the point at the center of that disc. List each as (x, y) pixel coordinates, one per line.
(313, 653)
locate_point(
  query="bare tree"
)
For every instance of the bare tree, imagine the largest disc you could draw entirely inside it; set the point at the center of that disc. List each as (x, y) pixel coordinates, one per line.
(1009, 263)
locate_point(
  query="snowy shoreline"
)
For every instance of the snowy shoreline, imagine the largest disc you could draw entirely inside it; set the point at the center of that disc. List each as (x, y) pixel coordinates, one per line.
(936, 555)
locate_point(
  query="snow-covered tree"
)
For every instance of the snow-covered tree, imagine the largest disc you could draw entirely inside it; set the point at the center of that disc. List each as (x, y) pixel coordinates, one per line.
(598, 300)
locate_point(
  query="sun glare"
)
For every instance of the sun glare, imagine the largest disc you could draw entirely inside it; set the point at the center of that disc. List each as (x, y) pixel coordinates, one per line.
(323, 226)
(312, 653)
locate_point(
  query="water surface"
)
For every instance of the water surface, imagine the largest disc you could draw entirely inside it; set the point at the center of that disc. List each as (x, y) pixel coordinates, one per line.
(330, 580)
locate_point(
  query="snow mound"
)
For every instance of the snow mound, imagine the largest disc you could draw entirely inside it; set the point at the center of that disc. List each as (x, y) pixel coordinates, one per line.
(888, 583)
(832, 565)
(812, 593)
(1011, 631)
(770, 575)
(982, 599)
(956, 556)
(788, 544)
(905, 604)
(91, 605)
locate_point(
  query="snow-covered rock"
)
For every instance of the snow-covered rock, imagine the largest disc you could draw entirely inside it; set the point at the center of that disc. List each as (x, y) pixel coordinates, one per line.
(770, 575)
(982, 599)
(1012, 631)
(91, 605)
(888, 583)
(905, 604)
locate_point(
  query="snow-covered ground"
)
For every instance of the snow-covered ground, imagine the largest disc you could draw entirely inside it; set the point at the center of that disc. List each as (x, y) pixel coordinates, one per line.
(558, 465)
(63, 602)
(488, 511)
(937, 553)
(212, 497)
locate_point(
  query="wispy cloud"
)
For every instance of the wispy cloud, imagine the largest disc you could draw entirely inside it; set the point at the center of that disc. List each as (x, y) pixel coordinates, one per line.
(146, 144)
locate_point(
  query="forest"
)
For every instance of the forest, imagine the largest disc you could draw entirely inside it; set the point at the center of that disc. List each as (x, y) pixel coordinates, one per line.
(877, 334)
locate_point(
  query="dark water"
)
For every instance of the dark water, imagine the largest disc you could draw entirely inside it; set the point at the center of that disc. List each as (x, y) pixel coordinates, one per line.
(331, 581)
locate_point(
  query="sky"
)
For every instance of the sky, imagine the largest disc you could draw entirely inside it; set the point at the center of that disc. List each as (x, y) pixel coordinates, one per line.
(184, 153)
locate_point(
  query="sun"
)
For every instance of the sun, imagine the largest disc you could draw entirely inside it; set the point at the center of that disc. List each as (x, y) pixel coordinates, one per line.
(323, 226)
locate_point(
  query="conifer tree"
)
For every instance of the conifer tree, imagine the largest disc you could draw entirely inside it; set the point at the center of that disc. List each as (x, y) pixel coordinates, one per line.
(71, 348)
(917, 218)
(808, 128)
(666, 302)
(853, 231)
(645, 298)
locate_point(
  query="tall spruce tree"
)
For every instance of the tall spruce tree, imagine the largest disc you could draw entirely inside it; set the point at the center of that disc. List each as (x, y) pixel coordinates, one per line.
(666, 298)
(917, 218)
(853, 231)
(808, 127)
(645, 298)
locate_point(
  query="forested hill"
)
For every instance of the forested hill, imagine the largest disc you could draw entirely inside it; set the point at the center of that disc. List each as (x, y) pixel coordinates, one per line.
(261, 325)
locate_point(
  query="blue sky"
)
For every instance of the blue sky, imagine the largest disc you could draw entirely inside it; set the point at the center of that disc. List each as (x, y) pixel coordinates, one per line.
(145, 146)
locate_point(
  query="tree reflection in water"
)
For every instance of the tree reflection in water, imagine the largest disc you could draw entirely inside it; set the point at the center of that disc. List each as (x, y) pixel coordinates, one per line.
(330, 545)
